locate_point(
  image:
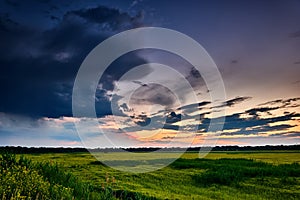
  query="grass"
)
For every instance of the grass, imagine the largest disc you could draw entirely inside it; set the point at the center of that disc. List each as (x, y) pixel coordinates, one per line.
(221, 175)
(21, 178)
(274, 157)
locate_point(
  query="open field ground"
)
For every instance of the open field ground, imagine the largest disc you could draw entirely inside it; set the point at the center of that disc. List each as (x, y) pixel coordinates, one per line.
(220, 175)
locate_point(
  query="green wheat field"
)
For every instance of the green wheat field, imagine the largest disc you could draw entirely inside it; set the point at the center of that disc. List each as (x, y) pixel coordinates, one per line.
(220, 175)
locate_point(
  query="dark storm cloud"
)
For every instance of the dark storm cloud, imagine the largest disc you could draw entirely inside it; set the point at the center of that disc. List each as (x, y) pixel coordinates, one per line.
(38, 67)
(12, 3)
(54, 18)
(115, 19)
(7, 24)
(120, 66)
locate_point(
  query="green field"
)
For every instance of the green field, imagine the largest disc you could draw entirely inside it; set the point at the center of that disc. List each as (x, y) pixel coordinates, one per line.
(220, 175)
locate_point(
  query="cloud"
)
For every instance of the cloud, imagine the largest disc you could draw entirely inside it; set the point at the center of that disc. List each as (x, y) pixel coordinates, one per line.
(162, 121)
(122, 65)
(238, 124)
(296, 82)
(142, 120)
(295, 34)
(38, 66)
(284, 103)
(110, 18)
(173, 118)
(153, 93)
(140, 83)
(248, 122)
(286, 134)
(195, 79)
(12, 3)
(54, 18)
(194, 106)
(135, 2)
(171, 127)
(260, 130)
(257, 125)
(236, 100)
(125, 107)
(18, 128)
(233, 102)
(255, 111)
(234, 61)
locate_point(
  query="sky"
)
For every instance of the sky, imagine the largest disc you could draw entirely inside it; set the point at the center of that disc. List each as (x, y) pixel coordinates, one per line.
(254, 44)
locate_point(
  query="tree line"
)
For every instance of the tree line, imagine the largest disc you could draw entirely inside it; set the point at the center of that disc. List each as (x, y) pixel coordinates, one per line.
(30, 150)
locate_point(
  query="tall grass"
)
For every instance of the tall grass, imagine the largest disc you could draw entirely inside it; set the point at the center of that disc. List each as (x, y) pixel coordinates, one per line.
(23, 179)
(184, 179)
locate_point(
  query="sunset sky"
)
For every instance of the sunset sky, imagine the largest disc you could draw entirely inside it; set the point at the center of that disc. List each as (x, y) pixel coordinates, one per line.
(255, 45)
